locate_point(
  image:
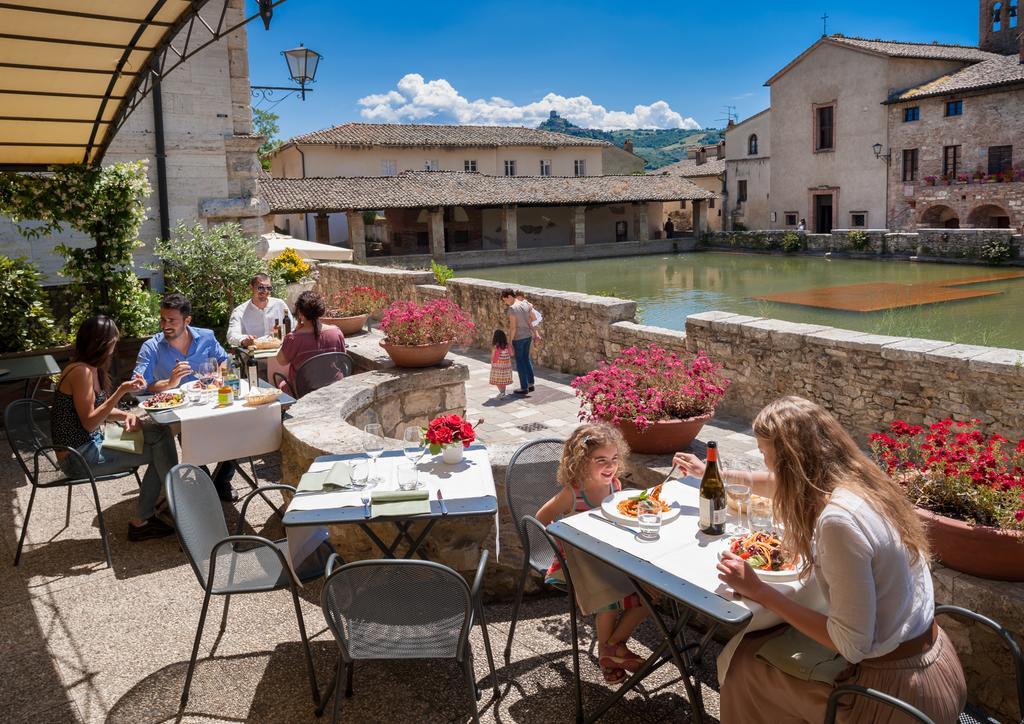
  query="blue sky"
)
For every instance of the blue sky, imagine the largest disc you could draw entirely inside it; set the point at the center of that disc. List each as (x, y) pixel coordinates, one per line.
(604, 64)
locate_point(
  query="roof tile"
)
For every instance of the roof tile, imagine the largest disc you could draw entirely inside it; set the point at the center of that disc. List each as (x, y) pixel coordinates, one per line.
(416, 135)
(999, 71)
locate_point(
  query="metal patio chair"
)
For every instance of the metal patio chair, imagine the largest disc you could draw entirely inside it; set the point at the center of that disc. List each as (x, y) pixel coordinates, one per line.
(402, 609)
(971, 714)
(27, 425)
(232, 564)
(316, 372)
(529, 483)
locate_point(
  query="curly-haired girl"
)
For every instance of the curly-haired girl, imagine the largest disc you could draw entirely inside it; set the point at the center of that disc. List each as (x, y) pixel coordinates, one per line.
(592, 459)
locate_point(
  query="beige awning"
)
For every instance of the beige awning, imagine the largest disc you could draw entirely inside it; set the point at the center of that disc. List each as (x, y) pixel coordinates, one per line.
(273, 245)
(72, 70)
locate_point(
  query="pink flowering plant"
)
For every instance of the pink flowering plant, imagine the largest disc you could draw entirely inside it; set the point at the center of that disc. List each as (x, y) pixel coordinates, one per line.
(435, 322)
(356, 300)
(953, 469)
(650, 384)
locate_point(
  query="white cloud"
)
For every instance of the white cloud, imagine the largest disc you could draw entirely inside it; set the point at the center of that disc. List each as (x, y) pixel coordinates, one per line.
(417, 99)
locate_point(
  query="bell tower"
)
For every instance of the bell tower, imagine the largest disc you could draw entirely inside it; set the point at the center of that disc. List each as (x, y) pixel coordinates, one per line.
(999, 26)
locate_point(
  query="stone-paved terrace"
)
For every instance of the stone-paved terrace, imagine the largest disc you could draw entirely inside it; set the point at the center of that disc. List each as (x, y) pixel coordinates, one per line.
(83, 643)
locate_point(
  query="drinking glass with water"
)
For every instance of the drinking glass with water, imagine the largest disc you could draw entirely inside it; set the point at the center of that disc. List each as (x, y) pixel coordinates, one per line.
(373, 445)
(648, 516)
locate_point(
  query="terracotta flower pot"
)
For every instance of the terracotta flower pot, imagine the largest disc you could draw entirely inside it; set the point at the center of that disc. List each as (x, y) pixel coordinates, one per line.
(666, 436)
(421, 355)
(979, 550)
(347, 325)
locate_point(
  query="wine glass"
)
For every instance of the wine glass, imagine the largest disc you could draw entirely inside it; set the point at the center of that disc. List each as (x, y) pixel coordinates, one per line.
(373, 444)
(413, 448)
(740, 493)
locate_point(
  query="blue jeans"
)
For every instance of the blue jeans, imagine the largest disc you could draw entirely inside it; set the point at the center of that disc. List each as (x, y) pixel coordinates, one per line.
(158, 453)
(523, 365)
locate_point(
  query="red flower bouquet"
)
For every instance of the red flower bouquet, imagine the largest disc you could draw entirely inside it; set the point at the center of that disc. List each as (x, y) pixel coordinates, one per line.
(448, 430)
(353, 301)
(436, 321)
(953, 469)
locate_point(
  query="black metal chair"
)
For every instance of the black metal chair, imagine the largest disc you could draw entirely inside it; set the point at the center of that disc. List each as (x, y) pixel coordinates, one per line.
(971, 714)
(27, 425)
(402, 609)
(529, 483)
(316, 372)
(232, 564)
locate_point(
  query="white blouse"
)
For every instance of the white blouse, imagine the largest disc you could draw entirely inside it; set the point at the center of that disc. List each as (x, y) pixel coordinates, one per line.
(877, 598)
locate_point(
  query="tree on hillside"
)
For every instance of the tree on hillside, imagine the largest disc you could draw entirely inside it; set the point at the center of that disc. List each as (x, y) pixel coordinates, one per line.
(264, 123)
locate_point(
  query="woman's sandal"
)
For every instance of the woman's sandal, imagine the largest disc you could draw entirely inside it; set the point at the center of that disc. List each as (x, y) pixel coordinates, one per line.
(623, 659)
(613, 675)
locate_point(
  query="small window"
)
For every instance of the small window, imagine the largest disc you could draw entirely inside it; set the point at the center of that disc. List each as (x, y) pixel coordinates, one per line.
(858, 219)
(1011, 14)
(1000, 158)
(711, 203)
(545, 167)
(790, 218)
(741, 191)
(997, 17)
(510, 168)
(824, 128)
(752, 145)
(469, 166)
(431, 164)
(579, 167)
(954, 108)
(910, 164)
(911, 114)
(950, 161)
(388, 168)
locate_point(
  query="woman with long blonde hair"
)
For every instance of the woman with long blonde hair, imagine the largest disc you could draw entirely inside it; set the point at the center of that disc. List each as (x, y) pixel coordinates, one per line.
(856, 531)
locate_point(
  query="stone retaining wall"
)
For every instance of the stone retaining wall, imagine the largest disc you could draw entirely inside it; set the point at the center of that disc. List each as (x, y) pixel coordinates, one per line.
(395, 283)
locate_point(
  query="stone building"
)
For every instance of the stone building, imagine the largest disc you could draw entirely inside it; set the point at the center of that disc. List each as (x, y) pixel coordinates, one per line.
(706, 171)
(746, 202)
(387, 149)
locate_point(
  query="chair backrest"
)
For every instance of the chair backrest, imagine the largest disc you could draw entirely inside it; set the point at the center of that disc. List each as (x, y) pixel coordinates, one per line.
(397, 609)
(27, 425)
(529, 483)
(197, 515)
(321, 370)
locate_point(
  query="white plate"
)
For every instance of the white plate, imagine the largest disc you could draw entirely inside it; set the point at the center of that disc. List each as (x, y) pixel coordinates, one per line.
(609, 506)
(770, 576)
(162, 407)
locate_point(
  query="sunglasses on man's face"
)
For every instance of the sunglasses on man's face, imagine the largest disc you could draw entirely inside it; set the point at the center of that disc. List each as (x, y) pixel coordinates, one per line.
(264, 288)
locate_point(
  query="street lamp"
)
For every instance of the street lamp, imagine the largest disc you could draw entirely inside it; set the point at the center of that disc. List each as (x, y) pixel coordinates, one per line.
(302, 65)
(877, 148)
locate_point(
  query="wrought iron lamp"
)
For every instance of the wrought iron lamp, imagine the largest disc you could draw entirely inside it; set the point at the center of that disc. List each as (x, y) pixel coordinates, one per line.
(877, 148)
(302, 65)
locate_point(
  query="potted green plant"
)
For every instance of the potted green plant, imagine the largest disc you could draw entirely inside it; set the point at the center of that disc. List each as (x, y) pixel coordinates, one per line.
(968, 489)
(349, 308)
(419, 335)
(659, 401)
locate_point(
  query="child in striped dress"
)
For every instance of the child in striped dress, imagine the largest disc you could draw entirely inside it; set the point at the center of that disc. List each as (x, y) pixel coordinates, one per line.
(501, 362)
(593, 458)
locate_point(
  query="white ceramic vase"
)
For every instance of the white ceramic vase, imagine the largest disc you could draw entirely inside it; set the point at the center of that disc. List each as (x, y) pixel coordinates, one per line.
(452, 454)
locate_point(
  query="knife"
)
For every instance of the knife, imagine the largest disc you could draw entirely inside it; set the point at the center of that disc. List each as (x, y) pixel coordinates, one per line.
(440, 499)
(613, 523)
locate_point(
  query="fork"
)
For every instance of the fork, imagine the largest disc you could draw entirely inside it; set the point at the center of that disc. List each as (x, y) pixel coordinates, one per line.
(365, 497)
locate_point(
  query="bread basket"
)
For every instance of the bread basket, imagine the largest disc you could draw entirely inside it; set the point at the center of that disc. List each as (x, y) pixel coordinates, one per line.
(262, 396)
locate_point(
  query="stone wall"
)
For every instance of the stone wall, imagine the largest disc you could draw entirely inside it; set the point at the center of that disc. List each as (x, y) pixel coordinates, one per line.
(395, 283)
(866, 380)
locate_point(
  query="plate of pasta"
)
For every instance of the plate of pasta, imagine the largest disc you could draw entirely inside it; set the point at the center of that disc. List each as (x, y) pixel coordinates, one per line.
(764, 552)
(622, 506)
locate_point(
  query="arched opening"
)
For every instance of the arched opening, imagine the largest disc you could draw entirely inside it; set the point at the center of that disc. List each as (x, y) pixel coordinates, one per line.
(997, 17)
(989, 216)
(752, 145)
(940, 217)
(1012, 13)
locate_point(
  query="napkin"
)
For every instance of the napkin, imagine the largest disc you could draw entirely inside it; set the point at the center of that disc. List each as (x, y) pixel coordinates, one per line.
(399, 502)
(337, 477)
(116, 437)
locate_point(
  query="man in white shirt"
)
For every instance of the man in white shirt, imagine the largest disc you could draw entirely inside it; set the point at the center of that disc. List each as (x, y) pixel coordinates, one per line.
(255, 317)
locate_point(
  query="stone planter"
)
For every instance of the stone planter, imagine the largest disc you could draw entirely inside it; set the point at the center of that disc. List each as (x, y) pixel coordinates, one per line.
(347, 325)
(452, 454)
(978, 550)
(293, 290)
(421, 355)
(665, 436)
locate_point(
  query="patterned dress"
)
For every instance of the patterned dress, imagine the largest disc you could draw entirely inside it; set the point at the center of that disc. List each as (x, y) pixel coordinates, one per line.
(501, 367)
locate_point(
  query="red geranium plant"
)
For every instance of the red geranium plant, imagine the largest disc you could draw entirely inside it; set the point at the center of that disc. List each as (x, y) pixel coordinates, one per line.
(644, 386)
(953, 469)
(434, 322)
(353, 301)
(447, 430)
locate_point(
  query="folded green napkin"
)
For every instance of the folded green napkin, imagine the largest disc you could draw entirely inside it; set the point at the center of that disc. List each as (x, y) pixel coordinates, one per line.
(399, 502)
(116, 437)
(802, 657)
(337, 477)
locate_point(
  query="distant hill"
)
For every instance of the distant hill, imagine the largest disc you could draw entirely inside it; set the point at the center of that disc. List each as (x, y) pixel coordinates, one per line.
(658, 146)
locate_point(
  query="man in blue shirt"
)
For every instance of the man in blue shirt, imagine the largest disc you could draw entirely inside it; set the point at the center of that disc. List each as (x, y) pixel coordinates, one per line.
(174, 356)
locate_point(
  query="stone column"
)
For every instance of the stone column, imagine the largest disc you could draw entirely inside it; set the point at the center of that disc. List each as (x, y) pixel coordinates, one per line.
(357, 236)
(579, 226)
(643, 227)
(511, 226)
(323, 228)
(700, 220)
(436, 231)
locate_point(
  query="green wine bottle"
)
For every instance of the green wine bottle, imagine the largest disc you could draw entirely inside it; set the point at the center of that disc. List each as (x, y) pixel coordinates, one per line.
(712, 495)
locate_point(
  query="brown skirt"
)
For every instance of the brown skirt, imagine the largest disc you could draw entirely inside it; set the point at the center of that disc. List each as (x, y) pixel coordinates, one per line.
(754, 691)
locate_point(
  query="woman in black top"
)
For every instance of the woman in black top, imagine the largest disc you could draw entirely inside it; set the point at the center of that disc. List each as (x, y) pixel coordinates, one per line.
(83, 402)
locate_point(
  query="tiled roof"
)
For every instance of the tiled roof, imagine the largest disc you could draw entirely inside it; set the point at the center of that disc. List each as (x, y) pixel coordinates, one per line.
(929, 51)
(688, 168)
(999, 71)
(416, 135)
(416, 189)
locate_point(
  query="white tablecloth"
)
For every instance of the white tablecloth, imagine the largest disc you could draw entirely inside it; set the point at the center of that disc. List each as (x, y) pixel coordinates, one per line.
(682, 551)
(211, 434)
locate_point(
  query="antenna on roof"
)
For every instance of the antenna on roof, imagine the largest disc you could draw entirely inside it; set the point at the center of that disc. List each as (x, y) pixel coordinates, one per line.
(730, 114)
(824, 24)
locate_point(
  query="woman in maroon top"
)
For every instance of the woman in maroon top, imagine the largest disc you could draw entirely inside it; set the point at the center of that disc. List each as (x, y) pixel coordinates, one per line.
(310, 337)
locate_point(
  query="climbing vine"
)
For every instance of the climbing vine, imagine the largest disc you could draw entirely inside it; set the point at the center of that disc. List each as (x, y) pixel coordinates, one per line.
(108, 205)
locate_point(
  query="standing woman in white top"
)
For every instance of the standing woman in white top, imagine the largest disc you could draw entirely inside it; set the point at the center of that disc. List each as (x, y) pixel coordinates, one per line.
(255, 316)
(869, 555)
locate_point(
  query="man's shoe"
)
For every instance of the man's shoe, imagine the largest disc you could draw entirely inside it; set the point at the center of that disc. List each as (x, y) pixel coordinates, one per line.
(521, 392)
(530, 388)
(152, 528)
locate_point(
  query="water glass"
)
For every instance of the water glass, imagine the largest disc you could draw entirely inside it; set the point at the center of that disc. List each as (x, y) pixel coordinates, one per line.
(373, 445)
(193, 394)
(760, 513)
(648, 516)
(740, 493)
(413, 448)
(407, 477)
(359, 474)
